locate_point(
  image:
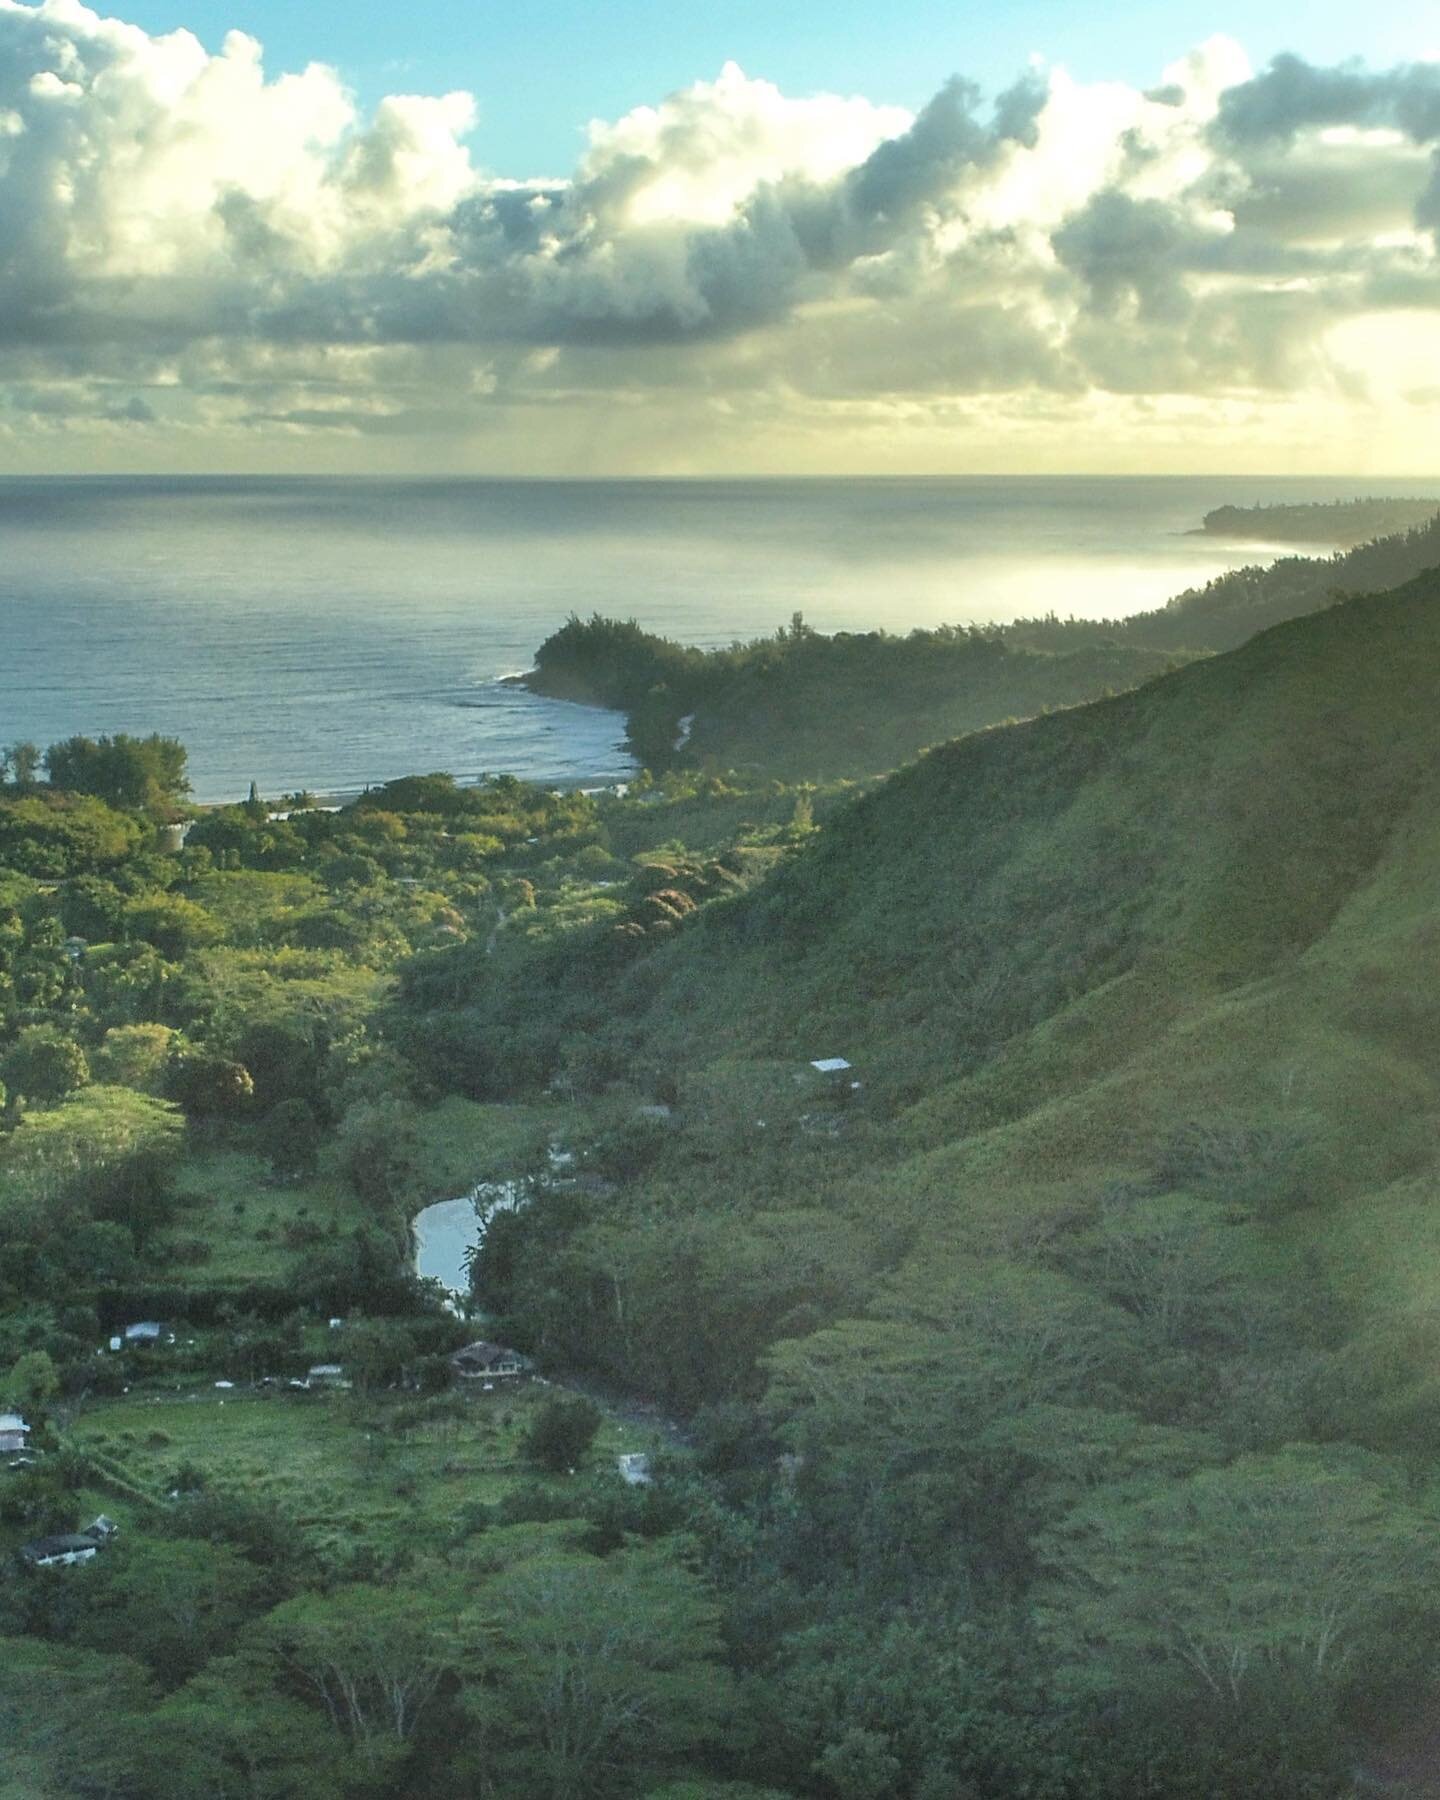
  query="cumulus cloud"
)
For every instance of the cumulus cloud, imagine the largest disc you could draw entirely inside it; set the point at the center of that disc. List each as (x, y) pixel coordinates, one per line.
(190, 245)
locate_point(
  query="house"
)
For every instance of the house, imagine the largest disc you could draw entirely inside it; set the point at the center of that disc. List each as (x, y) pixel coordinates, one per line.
(149, 1331)
(14, 1434)
(75, 948)
(635, 1469)
(59, 1552)
(326, 1375)
(830, 1065)
(488, 1360)
(102, 1530)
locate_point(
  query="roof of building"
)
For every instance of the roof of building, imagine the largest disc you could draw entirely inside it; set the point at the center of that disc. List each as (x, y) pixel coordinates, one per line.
(830, 1065)
(145, 1328)
(12, 1422)
(66, 1543)
(484, 1354)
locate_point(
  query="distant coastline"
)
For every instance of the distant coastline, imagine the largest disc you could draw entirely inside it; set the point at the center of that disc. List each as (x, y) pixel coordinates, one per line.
(1333, 522)
(327, 634)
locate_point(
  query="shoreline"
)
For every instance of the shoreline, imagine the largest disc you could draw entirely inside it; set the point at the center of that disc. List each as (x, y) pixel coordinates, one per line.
(330, 798)
(337, 799)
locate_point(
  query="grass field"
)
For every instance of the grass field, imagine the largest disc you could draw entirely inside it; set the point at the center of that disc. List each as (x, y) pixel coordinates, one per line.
(463, 1142)
(344, 1471)
(230, 1206)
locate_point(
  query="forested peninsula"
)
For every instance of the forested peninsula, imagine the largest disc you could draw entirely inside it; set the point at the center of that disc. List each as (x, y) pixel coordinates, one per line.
(1344, 522)
(802, 705)
(962, 1323)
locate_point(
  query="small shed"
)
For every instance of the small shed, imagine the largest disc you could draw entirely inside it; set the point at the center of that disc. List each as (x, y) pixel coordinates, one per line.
(14, 1434)
(482, 1361)
(835, 1073)
(635, 1469)
(60, 1551)
(75, 948)
(102, 1529)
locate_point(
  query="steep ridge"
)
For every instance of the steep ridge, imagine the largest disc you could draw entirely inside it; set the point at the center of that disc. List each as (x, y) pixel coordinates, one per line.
(1171, 938)
(1203, 830)
(1083, 1358)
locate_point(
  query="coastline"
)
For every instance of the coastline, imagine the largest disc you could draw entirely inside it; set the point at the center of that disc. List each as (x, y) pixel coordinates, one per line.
(330, 797)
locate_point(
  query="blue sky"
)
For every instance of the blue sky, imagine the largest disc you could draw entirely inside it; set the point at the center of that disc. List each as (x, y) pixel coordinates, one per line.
(541, 71)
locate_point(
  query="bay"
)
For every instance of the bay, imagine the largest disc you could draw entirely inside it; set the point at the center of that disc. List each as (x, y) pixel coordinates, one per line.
(327, 633)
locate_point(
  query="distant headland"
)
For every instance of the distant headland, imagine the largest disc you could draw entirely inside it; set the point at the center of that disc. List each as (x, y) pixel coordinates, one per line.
(1342, 522)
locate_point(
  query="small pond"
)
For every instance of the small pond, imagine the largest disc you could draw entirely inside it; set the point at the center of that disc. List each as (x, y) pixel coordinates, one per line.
(446, 1232)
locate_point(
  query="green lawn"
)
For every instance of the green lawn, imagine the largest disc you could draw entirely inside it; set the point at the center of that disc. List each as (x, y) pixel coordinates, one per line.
(229, 1205)
(345, 1471)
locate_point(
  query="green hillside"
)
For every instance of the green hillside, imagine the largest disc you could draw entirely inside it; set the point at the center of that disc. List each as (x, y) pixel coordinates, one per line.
(1100, 1317)
(1041, 1405)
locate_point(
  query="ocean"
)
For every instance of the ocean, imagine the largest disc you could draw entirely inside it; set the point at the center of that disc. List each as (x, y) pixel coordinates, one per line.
(326, 633)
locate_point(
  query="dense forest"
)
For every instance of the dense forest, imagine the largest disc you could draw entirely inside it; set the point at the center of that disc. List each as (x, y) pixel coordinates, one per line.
(1035, 1400)
(802, 705)
(1320, 522)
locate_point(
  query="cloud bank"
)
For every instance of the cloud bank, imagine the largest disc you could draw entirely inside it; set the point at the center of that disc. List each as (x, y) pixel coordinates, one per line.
(203, 265)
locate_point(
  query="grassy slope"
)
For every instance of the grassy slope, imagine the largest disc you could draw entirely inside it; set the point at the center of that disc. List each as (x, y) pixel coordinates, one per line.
(1055, 949)
(852, 706)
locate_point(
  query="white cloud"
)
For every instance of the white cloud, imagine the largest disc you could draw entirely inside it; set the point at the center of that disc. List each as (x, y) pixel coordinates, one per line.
(698, 155)
(188, 245)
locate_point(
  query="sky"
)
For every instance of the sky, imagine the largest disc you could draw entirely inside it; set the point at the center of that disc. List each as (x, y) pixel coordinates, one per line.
(647, 239)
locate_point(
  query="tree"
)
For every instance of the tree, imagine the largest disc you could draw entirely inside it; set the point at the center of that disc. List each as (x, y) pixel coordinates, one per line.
(128, 772)
(175, 1603)
(563, 1430)
(378, 1151)
(376, 1353)
(33, 1383)
(1297, 1562)
(207, 1086)
(228, 1735)
(598, 1672)
(44, 1065)
(73, 1718)
(21, 762)
(371, 1659)
(173, 924)
(290, 1134)
(135, 1056)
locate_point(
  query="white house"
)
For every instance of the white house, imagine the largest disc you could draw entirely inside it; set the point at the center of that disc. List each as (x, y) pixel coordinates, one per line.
(634, 1469)
(14, 1433)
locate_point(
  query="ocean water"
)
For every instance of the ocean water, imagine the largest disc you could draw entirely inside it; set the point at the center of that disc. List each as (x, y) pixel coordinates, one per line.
(328, 633)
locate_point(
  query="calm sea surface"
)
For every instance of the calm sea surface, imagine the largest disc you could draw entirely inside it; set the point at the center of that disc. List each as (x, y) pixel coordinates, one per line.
(326, 633)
